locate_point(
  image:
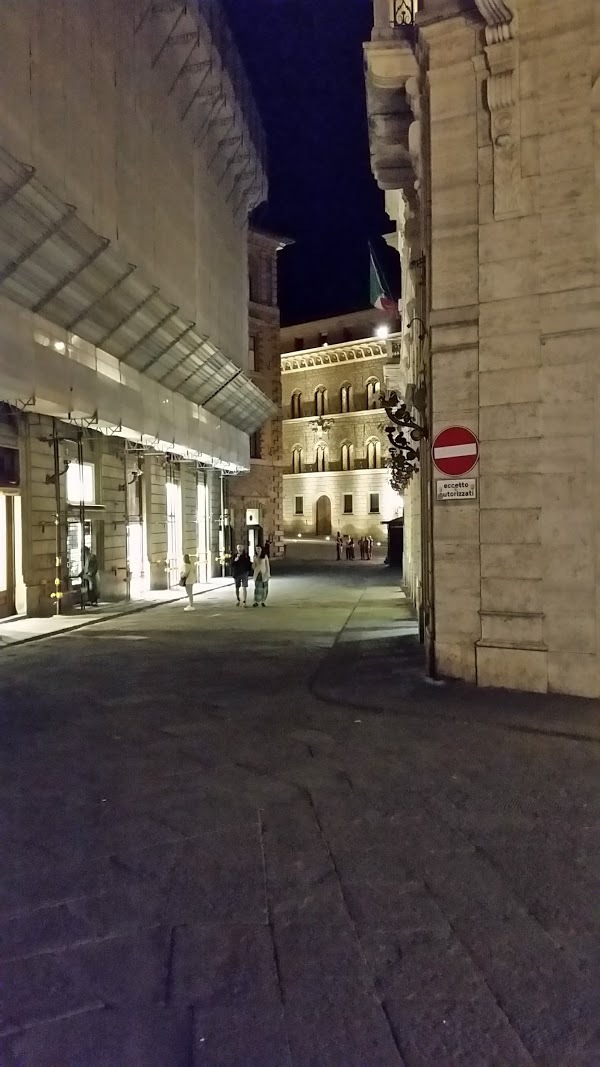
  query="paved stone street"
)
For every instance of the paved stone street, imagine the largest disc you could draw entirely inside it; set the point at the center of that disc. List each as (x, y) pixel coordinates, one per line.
(258, 837)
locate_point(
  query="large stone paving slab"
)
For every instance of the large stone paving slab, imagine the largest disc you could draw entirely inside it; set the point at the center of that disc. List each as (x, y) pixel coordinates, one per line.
(205, 863)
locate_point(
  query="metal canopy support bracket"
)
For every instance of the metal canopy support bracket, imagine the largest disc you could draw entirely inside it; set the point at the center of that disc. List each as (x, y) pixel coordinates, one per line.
(168, 38)
(33, 248)
(150, 333)
(99, 300)
(221, 387)
(68, 278)
(127, 317)
(12, 190)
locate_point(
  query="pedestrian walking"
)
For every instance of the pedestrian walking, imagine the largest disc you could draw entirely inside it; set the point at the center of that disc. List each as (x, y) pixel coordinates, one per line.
(347, 546)
(339, 544)
(351, 548)
(187, 579)
(362, 544)
(241, 569)
(90, 576)
(262, 577)
(369, 547)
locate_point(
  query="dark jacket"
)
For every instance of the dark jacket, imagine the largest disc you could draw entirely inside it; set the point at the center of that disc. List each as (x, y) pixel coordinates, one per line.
(241, 565)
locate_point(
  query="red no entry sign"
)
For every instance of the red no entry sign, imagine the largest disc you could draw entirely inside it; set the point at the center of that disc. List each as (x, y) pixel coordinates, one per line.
(455, 451)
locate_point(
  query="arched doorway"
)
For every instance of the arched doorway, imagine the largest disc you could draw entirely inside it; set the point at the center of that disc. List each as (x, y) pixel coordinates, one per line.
(323, 516)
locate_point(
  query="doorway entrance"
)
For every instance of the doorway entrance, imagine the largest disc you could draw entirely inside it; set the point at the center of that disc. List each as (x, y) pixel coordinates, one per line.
(323, 516)
(13, 599)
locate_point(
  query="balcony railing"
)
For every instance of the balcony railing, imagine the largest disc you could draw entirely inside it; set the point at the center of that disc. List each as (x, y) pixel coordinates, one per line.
(393, 17)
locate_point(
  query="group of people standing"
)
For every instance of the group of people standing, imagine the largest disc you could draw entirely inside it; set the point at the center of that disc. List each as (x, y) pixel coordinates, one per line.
(242, 569)
(347, 546)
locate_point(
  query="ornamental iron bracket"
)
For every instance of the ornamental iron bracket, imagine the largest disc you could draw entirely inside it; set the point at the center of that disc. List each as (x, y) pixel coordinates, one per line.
(403, 435)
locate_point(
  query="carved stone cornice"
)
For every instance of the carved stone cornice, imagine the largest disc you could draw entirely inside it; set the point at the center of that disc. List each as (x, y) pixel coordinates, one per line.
(502, 98)
(327, 357)
(495, 12)
(390, 65)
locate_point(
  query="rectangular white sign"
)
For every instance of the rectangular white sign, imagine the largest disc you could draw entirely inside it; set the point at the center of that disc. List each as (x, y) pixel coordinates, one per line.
(456, 488)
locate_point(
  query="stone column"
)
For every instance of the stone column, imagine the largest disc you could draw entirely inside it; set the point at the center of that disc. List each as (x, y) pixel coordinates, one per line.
(156, 520)
(454, 289)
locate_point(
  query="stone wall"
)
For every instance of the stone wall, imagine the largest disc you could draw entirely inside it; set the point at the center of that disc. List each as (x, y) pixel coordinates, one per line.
(335, 485)
(262, 487)
(515, 326)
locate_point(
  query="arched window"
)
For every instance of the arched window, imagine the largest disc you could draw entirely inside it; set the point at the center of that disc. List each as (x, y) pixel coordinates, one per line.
(296, 405)
(297, 460)
(321, 458)
(373, 393)
(346, 398)
(373, 454)
(320, 400)
(347, 457)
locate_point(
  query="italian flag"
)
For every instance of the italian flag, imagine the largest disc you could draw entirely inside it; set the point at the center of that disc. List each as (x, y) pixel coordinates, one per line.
(380, 294)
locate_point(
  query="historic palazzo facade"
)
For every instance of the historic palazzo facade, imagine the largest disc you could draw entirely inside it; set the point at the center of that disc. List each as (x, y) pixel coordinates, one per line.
(334, 441)
(485, 135)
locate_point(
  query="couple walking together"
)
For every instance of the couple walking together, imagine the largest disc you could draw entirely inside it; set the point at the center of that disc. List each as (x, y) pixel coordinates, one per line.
(242, 567)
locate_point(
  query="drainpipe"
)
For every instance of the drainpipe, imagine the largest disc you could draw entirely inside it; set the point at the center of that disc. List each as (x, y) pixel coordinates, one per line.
(126, 516)
(222, 546)
(58, 592)
(81, 515)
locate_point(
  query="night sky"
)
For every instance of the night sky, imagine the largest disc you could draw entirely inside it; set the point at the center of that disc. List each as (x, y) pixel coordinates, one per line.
(305, 61)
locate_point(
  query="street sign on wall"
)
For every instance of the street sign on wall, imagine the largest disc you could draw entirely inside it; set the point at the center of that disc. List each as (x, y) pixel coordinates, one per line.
(455, 451)
(456, 488)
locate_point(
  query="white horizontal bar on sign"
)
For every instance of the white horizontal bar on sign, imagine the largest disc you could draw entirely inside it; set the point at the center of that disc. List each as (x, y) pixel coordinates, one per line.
(449, 451)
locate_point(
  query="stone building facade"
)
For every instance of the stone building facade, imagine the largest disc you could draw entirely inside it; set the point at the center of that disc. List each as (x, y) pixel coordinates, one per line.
(125, 391)
(334, 440)
(256, 498)
(484, 127)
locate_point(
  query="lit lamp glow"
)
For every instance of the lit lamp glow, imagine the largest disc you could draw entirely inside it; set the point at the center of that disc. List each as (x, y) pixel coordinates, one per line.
(382, 332)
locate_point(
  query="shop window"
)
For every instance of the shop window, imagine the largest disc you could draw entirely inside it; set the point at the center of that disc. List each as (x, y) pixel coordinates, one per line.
(3, 545)
(321, 458)
(348, 503)
(347, 457)
(296, 461)
(296, 405)
(374, 503)
(134, 495)
(81, 483)
(299, 505)
(79, 537)
(320, 400)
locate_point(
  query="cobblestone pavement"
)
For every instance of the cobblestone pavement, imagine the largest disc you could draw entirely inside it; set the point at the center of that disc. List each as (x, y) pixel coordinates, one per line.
(229, 840)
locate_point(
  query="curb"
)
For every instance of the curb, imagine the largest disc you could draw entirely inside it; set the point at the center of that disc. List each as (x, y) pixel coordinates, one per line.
(103, 618)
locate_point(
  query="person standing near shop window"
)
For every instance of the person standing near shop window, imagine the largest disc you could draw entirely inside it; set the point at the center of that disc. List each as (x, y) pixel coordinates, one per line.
(90, 576)
(187, 579)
